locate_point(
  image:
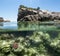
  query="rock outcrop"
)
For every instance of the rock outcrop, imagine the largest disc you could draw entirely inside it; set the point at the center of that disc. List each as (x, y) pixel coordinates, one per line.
(1, 19)
(32, 14)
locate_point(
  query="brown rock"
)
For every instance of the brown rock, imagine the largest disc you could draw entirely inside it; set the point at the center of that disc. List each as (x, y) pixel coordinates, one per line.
(31, 14)
(1, 19)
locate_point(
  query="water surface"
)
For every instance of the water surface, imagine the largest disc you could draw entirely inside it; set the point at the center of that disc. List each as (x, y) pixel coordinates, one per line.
(23, 26)
(8, 25)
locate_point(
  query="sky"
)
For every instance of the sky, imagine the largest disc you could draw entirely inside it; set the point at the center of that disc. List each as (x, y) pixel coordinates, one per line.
(9, 8)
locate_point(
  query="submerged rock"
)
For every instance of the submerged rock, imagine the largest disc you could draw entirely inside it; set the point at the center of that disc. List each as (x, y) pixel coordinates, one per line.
(37, 44)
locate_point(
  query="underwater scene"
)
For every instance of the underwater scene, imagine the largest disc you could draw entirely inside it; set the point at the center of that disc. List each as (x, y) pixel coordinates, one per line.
(30, 39)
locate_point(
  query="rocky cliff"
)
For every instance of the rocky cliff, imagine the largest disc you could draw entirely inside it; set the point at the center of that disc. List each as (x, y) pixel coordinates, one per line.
(33, 14)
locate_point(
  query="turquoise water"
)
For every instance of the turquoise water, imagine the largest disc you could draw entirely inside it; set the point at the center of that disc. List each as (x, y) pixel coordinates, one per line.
(38, 26)
(45, 41)
(8, 25)
(21, 26)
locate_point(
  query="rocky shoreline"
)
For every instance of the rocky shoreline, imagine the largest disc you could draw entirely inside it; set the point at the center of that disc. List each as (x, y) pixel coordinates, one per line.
(2, 20)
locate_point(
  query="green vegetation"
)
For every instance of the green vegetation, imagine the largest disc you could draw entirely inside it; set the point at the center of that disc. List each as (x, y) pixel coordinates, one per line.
(22, 6)
(44, 41)
(38, 8)
(38, 44)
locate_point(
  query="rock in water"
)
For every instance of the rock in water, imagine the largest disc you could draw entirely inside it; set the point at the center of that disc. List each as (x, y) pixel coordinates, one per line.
(33, 14)
(1, 19)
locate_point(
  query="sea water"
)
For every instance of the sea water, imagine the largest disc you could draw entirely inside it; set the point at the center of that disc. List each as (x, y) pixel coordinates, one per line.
(42, 38)
(8, 26)
(29, 26)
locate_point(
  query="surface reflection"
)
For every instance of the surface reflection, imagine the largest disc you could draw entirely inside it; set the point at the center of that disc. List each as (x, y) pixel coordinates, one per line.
(23, 26)
(38, 26)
